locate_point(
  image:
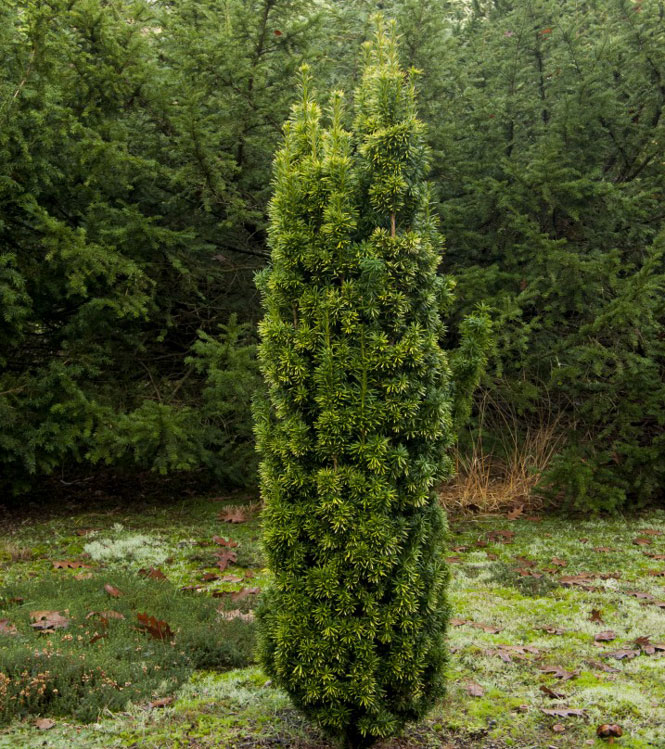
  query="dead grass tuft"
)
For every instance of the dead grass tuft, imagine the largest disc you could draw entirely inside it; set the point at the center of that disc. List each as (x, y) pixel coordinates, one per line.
(494, 481)
(15, 553)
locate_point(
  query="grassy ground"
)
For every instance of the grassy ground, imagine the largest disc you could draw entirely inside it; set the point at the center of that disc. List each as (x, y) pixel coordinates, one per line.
(523, 639)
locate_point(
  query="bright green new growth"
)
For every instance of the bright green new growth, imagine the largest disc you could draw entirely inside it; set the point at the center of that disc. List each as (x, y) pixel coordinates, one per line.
(358, 416)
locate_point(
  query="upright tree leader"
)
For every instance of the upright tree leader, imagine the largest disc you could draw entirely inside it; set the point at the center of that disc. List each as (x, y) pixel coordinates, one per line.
(359, 411)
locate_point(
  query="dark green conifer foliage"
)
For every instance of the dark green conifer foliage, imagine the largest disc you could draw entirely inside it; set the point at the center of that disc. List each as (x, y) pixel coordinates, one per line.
(358, 414)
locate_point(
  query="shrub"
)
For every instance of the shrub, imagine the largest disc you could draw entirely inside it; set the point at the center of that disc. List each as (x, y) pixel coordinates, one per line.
(354, 430)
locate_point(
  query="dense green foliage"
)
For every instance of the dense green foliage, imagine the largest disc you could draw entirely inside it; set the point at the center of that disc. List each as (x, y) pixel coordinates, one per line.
(551, 179)
(359, 412)
(135, 146)
(130, 226)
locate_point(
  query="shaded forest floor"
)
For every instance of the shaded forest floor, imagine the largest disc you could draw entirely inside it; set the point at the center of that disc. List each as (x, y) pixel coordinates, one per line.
(550, 614)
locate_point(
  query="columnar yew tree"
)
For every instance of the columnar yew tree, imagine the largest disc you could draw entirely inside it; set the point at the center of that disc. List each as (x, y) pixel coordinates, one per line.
(358, 413)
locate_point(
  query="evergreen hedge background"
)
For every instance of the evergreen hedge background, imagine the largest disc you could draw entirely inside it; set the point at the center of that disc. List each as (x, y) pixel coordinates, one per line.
(135, 145)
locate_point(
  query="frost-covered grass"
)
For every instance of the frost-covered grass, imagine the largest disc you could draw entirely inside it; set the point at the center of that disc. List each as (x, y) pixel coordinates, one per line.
(239, 708)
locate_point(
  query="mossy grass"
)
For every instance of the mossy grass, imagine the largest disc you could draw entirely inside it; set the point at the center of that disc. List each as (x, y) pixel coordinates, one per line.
(103, 658)
(241, 709)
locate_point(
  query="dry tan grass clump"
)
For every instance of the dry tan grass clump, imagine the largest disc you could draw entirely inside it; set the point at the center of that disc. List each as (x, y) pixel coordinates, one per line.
(486, 482)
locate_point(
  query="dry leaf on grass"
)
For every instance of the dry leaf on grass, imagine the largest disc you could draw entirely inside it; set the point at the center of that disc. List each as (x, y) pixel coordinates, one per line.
(152, 572)
(551, 693)
(623, 654)
(553, 630)
(230, 543)
(604, 667)
(559, 672)
(501, 536)
(44, 724)
(474, 690)
(231, 579)
(224, 558)
(156, 628)
(7, 628)
(163, 702)
(606, 636)
(648, 647)
(112, 590)
(508, 652)
(47, 621)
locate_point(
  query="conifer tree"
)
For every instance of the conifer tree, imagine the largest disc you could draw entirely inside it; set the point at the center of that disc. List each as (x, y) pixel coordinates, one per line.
(358, 413)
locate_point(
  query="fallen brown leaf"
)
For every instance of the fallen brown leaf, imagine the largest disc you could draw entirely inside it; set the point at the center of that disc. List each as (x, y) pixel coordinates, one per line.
(508, 652)
(230, 543)
(153, 573)
(580, 581)
(553, 630)
(604, 667)
(648, 647)
(501, 536)
(163, 702)
(48, 620)
(551, 693)
(596, 616)
(44, 724)
(621, 654)
(224, 558)
(525, 562)
(7, 628)
(156, 628)
(642, 541)
(112, 590)
(559, 672)
(606, 636)
(474, 690)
